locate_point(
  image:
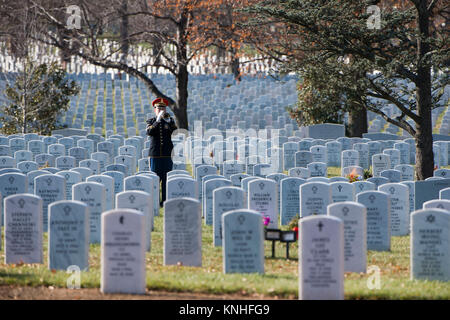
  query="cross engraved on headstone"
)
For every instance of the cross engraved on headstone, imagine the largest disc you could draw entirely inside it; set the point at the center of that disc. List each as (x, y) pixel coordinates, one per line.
(181, 206)
(3, 160)
(11, 180)
(430, 218)
(67, 210)
(361, 187)
(372, 198)
(180, 184)
(392, 190)
(320, 226)
(137, 182)
(261, 185)
(88, 189)
(121, 219)
(67, 176)
(48, 181)
(65, 160)
(339, 188)
(228, 194)
(314, 189)
(241, 219)
(21, 203)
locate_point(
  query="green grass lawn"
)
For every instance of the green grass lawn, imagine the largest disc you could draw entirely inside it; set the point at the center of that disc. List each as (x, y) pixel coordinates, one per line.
(280, 278)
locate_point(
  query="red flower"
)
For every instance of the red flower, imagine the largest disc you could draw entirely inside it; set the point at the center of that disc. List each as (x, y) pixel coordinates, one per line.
(296, 231)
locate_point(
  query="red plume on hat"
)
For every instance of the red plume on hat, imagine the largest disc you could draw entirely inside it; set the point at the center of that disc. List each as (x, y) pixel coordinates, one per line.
(160, 102)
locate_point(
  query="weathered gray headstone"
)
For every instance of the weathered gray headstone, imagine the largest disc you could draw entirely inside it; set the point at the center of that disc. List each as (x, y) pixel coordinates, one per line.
(314, 198)
(123, 252)
(51, 188)
(263, 198)
(430, 248)
(243, 242)
(354, 216)
(182, 232)
(290, 198)
(68, 237)
(94, 195)
(399, 195)
(23, 229)
(225, 199)
(142, 202)
(378, 207)
(321, 258)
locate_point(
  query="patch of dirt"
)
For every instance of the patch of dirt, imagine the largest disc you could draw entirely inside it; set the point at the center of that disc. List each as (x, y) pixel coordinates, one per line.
(50, 293)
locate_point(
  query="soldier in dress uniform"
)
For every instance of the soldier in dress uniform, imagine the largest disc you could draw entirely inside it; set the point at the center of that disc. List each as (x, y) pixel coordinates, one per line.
(160, 129)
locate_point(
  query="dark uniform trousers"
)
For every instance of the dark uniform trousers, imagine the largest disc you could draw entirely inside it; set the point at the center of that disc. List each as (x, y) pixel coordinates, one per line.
(161, 147)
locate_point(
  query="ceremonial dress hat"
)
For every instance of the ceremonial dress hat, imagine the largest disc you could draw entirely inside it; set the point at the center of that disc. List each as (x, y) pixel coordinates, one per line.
(160, 102)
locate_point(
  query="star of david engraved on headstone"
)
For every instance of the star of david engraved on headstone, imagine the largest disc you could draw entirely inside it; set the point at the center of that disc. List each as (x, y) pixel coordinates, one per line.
(132, 198)
(67, 210)
(21, 203)
(372, 198)
(339, 188)
(241, 219)
(181, 206)
(261, 185)
(345, 211)
(392, 190)
(11, 180)
(228, 194)
(180, 185)
(430, 218)
(314, 189)
(88, 189)
(320, 226)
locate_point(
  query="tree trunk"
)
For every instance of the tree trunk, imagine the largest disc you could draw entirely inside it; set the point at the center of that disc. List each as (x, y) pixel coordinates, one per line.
(124, 41)
(180, 110)
(357, 122)
(235, 67)
(424, 129)
(182, 75)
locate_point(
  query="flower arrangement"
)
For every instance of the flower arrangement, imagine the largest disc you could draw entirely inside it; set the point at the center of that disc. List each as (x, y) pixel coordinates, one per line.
(266, 221)
(353, 177)
(293, 225)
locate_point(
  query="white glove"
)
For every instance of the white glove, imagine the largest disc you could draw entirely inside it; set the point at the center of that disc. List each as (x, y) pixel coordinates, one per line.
(159, 116)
